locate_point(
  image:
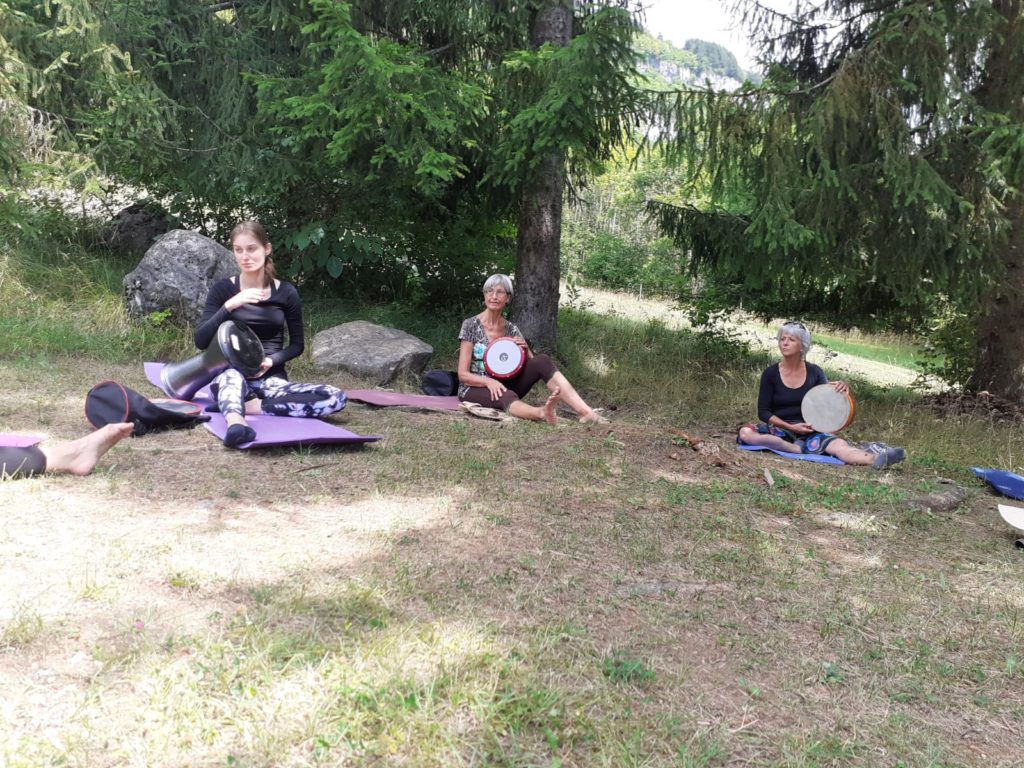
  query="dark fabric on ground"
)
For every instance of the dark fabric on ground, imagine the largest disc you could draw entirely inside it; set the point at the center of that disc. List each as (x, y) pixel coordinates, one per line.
(16, 463)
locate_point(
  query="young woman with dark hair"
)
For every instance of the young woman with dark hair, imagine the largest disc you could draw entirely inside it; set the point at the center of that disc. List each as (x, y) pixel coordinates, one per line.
(269, 307)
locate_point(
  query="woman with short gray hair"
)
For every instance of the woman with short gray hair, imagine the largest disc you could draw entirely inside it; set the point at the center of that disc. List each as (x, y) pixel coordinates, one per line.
(476, 386)
(779, 401)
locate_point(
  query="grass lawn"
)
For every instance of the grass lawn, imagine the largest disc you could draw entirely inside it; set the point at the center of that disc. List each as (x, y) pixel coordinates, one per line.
(470, 594)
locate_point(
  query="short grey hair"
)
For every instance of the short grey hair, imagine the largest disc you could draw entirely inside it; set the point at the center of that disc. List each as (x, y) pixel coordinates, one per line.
(797, 331)
(499, 280)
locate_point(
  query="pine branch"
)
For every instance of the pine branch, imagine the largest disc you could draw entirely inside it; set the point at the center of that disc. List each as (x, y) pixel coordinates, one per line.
(229, 4)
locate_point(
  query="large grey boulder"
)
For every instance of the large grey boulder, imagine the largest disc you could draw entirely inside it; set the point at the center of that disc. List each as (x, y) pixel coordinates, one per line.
(370, 351)
(176, 274)
(136, 228)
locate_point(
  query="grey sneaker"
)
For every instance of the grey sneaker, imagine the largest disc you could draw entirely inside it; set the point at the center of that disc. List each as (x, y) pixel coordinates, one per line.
(888, 457)
(876, 448)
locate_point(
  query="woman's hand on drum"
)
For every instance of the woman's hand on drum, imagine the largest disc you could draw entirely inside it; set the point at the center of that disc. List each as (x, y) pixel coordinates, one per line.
(496, 388)
(245, 296)
(523, 346)
(265, 366)
(840, 386)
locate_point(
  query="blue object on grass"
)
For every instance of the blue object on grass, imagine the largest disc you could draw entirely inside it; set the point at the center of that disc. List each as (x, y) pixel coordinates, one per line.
(1007, 483)
(818, 458)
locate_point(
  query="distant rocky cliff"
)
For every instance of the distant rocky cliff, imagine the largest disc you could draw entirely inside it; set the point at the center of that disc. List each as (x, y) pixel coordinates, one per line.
(698, 62)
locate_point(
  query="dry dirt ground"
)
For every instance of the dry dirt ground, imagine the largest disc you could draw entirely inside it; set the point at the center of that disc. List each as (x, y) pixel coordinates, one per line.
(778, 625)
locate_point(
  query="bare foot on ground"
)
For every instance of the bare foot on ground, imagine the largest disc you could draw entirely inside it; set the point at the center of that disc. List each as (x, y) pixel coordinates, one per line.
(550, 405)
(593, 417)
(79, 457)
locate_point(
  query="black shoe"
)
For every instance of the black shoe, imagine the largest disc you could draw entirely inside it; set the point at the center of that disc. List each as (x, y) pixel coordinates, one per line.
(238, 434)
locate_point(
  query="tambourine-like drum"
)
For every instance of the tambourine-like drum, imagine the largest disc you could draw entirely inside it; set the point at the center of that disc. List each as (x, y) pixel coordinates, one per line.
(236, 346)
(827, 410)
(503, 358)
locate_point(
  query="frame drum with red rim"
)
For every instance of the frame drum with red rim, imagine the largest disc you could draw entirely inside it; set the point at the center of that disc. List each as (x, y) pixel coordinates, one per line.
(827, 410)
(503, 358)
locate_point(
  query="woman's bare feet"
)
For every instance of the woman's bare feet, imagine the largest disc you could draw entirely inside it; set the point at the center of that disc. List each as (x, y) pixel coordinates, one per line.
(550, 405)
(79, 457)
(593, 417)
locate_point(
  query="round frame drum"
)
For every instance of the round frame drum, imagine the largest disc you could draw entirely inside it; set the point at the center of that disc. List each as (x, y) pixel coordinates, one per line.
(827, 410)
(503, 358)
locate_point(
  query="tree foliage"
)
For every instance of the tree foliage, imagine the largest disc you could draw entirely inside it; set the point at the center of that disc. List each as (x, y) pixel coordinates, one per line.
(387, 142)
(874, 170)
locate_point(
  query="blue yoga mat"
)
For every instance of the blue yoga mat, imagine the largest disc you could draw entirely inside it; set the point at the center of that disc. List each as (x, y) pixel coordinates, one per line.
(1007, 483)
(817, 458)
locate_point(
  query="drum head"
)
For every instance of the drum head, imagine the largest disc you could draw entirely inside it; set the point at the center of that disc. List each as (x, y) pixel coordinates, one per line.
(503, 358)
(241, 347)
(827, 410)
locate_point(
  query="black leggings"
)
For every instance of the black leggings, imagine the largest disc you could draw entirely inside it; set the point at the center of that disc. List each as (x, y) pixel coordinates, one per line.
(21, 462)
(536, 368)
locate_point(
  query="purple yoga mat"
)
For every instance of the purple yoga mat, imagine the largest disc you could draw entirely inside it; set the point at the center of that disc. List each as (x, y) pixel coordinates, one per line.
(818, 458)
(271, 430)
(9, 440)
(387, 399)
(281, 430)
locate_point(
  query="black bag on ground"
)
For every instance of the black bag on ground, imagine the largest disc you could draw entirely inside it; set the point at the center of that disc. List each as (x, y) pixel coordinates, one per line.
(443, 383)
(111, 403)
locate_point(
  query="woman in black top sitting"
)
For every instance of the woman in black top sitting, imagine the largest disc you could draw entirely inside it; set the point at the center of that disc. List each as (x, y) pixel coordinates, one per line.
(781, 394)
(267, 305)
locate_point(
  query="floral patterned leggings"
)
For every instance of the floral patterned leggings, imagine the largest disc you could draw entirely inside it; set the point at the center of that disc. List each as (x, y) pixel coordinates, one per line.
(280, 397)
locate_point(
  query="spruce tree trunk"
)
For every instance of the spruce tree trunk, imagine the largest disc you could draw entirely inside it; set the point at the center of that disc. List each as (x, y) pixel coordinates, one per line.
(999, 366)
(538, 246)
(1000, 361)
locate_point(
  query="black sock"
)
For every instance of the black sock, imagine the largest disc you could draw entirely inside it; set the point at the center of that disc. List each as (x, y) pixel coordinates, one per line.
(238, 434)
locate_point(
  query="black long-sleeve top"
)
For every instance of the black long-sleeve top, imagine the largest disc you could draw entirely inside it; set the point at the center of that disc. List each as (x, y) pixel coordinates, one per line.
(267, 319)
(774, 398)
